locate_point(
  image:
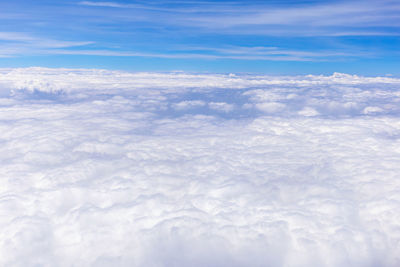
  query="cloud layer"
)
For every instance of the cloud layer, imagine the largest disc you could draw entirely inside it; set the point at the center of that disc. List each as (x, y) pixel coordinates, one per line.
(107, 168)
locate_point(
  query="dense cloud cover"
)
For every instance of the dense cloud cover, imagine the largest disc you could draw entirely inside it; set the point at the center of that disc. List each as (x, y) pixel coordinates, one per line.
(108, 168)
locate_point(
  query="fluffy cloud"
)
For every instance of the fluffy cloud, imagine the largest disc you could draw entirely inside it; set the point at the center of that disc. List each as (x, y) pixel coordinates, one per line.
(221, 106)
(99, 168)
(188, 104)
(309, 112)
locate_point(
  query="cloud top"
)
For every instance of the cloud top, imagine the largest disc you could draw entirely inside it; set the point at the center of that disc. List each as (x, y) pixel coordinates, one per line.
(109, 168)
(335, 95)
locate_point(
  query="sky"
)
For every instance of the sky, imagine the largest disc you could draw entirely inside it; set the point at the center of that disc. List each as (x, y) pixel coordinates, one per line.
(199, 133)
(272, 37)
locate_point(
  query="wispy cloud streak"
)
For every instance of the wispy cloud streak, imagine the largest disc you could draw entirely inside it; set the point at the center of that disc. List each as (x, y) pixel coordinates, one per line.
(302, 31)
(357, 16)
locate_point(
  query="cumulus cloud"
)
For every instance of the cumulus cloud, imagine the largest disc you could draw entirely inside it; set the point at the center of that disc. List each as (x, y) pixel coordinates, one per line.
(188, 104)
(221, 106)
(369, 110)
(99, 168)
(309, 112)
(270, 107)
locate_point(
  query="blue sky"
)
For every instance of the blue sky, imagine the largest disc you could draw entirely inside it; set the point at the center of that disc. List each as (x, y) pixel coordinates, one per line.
(275, 37)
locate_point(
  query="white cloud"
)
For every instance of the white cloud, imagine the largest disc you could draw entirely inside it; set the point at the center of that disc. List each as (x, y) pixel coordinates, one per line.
(308, 112)
(17, 44)
(221, 106)
(188, 104)
(330, 19)
(270, 107)
(369, 110)
(15, 36)
(22, 44)
(356, 18)
(104, 4)
(281, 55)
(95, 161)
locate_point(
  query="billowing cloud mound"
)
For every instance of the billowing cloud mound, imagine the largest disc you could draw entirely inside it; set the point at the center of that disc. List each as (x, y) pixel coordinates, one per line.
(107, 168)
